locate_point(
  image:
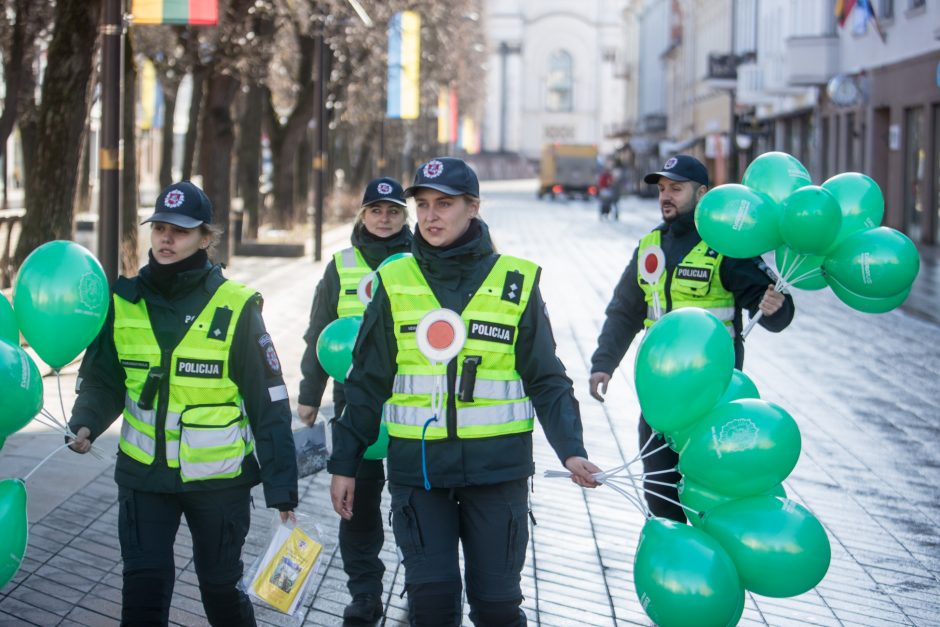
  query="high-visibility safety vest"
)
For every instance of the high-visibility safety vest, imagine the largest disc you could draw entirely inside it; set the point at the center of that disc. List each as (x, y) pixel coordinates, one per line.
(491, 318)
(351, 267)
(695, 282)
(205, 428)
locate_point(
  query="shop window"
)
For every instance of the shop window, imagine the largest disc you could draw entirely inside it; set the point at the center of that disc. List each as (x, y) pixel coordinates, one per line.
(560, 82)
(914, 164)
(936, 170)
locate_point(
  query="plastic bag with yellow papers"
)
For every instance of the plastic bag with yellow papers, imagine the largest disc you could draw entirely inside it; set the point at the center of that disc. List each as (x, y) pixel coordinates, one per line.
(284, 573)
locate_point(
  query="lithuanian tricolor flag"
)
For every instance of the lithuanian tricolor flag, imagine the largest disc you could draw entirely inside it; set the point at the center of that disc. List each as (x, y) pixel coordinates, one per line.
(198, 12)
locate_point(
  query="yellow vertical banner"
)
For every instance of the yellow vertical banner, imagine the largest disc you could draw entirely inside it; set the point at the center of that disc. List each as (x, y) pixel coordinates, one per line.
(469, 135)
(148, 95)
(443, 116)
(410, 64)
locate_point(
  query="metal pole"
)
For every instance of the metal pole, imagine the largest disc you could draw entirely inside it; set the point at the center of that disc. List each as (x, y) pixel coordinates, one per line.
(733, 132)
(109, 214)
(319, 148)
(504, 86)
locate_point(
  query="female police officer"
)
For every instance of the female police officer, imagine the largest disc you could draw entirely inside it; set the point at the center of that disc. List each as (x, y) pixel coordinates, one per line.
(185, 356)
(458, 463)
(380, 231)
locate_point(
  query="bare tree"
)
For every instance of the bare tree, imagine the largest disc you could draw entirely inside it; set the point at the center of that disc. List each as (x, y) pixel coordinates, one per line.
(50, 185)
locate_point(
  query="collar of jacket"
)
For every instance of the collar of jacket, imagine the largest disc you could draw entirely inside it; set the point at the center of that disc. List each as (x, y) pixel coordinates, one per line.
(376, 249)
(209, 278)
(450, 262)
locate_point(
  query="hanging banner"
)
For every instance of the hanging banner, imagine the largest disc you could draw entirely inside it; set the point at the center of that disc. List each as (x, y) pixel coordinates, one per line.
(195, 12)
(404, 65)
(443, 115)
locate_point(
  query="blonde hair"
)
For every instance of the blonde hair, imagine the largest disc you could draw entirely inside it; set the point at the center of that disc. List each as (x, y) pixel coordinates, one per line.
(362, 211)
(214, 233)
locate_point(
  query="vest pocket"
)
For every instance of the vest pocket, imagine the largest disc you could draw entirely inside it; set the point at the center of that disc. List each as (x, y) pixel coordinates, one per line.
(211, 442)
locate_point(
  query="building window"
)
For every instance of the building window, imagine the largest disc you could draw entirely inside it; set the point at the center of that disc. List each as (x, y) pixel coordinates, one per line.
(887, 9)
(914, 158)
(560, 82)
(917, 4)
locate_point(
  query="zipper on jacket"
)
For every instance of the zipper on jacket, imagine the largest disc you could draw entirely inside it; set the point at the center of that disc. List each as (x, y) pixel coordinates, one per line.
(451, 399)
(163, 402)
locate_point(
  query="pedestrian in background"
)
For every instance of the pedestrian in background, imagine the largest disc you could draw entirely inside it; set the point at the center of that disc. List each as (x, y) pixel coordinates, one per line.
(380, 230)
(185, 357)
(460, 476)
(695, 276)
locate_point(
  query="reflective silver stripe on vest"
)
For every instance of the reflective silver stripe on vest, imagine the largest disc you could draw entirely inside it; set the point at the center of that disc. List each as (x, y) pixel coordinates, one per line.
(725, 314)
(487, 389)
(148, 416)
(349, 257)
(201, 470)
(134, 437)
(466, 416)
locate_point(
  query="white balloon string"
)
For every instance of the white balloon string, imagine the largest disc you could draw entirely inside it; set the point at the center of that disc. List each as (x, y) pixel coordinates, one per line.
(36, 467)
(638, 503)
(752, 322)
(58, 380)
(809, 274)
(651, 473)
(674, 502)
(654, 451)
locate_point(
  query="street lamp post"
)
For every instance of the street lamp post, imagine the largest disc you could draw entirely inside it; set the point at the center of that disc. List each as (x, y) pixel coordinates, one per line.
(109, 214)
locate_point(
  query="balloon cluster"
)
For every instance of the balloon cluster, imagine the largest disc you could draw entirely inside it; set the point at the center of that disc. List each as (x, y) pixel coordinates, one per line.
(60, 301)
(822, 236)
(734, 451)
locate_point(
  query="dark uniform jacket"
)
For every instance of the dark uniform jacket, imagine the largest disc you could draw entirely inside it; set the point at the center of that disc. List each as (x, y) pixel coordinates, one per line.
(747, 279)
(454, 274)
(101, 388)
(323, 311)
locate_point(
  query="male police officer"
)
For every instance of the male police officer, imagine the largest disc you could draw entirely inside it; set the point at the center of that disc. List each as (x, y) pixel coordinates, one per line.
(695, 276)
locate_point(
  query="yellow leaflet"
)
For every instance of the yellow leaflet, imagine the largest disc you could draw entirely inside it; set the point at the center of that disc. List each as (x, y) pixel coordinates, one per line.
(282, 577)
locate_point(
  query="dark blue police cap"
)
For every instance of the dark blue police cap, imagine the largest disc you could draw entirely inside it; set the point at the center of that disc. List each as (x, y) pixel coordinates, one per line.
(384, 189)
(182, 204)
(680, 168)
(447, 175)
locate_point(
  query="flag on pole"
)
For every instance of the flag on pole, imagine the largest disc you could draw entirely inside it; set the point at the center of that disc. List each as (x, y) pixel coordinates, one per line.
(443, 115)
(404, 65)
(195, 12)
(865, 12)
(842, 10)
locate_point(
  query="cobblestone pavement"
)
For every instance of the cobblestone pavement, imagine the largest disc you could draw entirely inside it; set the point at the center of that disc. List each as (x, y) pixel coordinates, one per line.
(862, 388)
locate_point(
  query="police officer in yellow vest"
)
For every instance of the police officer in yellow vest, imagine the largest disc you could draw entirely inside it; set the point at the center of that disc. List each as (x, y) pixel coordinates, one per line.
(694, 276)
(460, 423)
(185, 358)
(381, 230)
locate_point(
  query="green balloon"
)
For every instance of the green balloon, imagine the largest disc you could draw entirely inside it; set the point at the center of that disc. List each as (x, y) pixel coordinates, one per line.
(810, 219)
(684, 577)
(867, 305)
(14, 525)
(61, 300)
(379, 448)
(9, 332)
(877, 263)
(739, 387)
(742, 448)
(335, 346)
(738, 221)
(701, 499)
(682, 367)
(795, 267)
(861, 203)
(22, 389)
(391, 258)
(779, 547)
(776, 174)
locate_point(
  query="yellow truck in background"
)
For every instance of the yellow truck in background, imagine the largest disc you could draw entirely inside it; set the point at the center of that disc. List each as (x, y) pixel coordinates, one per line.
(568, 170)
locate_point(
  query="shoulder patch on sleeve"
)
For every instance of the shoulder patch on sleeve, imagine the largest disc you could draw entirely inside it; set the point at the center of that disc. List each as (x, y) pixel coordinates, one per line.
(268, 355)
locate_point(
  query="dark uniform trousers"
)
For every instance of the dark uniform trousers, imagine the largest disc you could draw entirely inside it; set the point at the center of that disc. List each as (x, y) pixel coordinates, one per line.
(664, 459)
(491, 522)
(361, 538)
(147, 524)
